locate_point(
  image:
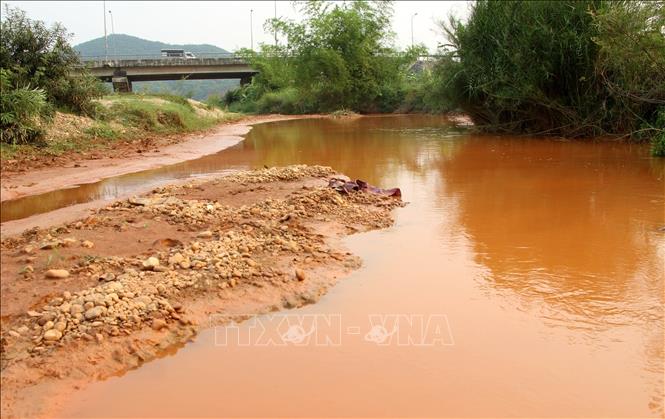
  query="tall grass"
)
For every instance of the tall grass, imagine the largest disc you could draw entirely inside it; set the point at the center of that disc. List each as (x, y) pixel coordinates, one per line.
(571, 68)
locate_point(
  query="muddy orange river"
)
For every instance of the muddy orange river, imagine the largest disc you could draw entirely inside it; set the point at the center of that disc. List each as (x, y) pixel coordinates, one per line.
(524, 278)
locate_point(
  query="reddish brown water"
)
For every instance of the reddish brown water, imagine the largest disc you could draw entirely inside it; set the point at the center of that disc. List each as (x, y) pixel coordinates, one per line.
(545, 257)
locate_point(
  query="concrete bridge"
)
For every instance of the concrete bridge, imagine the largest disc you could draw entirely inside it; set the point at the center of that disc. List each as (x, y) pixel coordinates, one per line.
(123, 70)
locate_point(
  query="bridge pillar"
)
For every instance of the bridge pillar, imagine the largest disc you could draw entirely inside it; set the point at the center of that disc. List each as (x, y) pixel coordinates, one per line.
(121, 82)
(245, 80)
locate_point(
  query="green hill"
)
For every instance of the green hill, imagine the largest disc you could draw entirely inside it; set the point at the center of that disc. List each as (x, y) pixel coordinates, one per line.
(121, 44)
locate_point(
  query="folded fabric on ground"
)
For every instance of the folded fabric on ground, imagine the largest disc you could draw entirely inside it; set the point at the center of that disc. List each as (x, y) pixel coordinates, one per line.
(346, 186)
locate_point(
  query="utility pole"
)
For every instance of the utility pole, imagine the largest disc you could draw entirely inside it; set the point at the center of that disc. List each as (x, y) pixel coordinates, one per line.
(115, 41)
(106, 41)
(251, 29)
(412, 16)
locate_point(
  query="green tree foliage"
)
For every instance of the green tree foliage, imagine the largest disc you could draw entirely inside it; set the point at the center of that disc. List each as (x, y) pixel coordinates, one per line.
(339, 56)
(37, 63)
(572, 68)
(21, 109)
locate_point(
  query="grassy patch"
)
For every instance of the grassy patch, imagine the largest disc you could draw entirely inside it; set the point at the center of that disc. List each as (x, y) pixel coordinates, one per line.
(126, 117)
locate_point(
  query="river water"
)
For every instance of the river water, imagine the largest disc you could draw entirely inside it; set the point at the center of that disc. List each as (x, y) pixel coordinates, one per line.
(534, 266)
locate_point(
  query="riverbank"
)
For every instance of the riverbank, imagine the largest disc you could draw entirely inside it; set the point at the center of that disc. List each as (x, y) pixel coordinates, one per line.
(72, 171)
(139, 278)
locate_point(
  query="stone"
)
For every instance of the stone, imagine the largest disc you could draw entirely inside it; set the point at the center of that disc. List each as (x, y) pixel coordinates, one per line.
(107, 277)
(68, 242)
(28, 249)
(150, 263)
(158, 324)
(94, 312)
(57, 273)
(48, 325)
(45, 318)
(49, 245)
(300, 275)
(14, 334)
(176, 259)
(76, 309)
(52, 335)
(87, 244)
(204, 234)
(60, 326)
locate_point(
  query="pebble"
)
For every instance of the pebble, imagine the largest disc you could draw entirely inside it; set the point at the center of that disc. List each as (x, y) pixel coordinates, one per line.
(69, 242)
(87, 244)
(158, 324)
(93, 312)
(57, 273)
(52, 335)
(300, 274)
(176, 259)
(150, 263)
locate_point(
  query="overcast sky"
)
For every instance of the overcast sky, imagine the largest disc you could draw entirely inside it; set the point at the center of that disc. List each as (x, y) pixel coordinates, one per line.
(222, 23)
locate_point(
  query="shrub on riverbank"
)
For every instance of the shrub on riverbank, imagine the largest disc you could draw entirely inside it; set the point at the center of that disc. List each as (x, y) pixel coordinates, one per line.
(570, 68)
(338, 56)
(37, 65)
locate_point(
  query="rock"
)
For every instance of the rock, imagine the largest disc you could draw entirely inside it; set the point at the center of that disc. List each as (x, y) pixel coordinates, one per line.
(160, 268)
(48, 325)
(57, 273)
(60, 326)
(52, 335)
(49, 245)
(99, 337)
(185, 264)
(47, 317)
(150, 263)
(205, 234)
(176, 259)
(76, 309)
(33, 313)
(14, 334)
(94, 312)
(140, 202)
(300, 274)
(158, 324)
(28, 249)
(87, 244)
(69, 242)
(107, 277)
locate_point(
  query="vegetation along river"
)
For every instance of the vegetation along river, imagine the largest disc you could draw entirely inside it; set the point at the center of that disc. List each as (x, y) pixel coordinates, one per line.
(545, 258)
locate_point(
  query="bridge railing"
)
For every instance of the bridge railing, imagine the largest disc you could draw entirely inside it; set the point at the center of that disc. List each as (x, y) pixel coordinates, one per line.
(117, 57)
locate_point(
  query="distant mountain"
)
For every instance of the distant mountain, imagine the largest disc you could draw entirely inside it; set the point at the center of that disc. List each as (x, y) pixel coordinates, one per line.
(120, 44)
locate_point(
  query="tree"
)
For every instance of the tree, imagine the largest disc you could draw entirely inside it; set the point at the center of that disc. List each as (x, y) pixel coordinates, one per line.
(338, 56)
(37, 65)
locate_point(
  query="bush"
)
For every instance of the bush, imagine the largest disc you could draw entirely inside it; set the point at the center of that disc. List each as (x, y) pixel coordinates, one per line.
(571, 68)
(339, 56)
(38, 75)
(21, 111)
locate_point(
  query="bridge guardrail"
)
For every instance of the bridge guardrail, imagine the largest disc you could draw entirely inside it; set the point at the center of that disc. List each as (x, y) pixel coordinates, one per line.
(201, 55)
